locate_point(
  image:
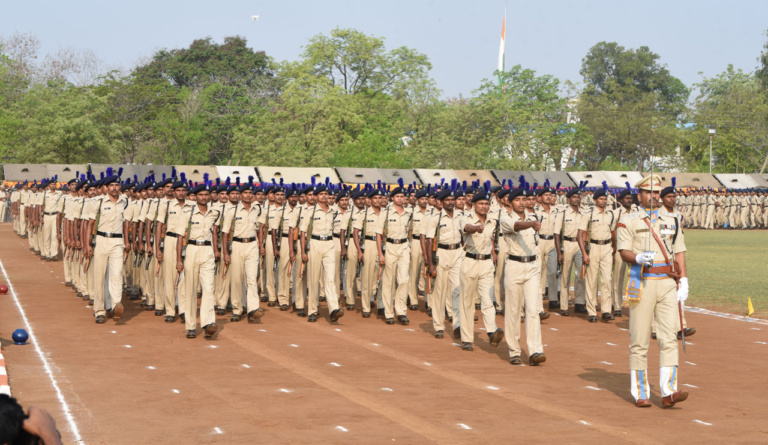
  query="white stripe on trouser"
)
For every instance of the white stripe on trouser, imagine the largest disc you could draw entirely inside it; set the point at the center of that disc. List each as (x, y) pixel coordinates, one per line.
(668, 380)
(639, 385)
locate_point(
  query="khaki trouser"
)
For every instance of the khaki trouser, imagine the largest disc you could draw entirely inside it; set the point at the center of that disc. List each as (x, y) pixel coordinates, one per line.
(476, 282)
(50, 247)
(545, 248)
(415, 272)
(396, 267)
(733, 217)
(68, 278)
(744, 217)
(337, 256)
(22, 221)
(283, 278)
(152, 290)
(91, 280)
(571, 259)
(269, 260)
(321, 272)
(300, 282)
(709, 221)
(221, 285)
(244, 266)
(619, 277)
(447, 284)
(599, 268)
(107, 257)
(521, 285)
(171, 275)
(498, 281)
(659, 300)
(350, 283)
(369, 273)
(198, 267)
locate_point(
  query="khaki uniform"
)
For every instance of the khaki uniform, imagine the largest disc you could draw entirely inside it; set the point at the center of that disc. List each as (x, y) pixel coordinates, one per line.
(658, 298)
(521, 281)
(272, 220)
(321, 263)
(222, 283)
(300, 281)
(599, 226)
(171, 214)
(347, 223)
(290, 219)
(369, 273)
(567, 225)
(108, 253)
(393, 229)
(339, 220)
(416, 268)
(549, 282)
(199, 264)
(498, 281)
(446, 231)
(50, 245)
(619, 267)
(243, 224)
(151, 285)
(477, 275)
(709, 221)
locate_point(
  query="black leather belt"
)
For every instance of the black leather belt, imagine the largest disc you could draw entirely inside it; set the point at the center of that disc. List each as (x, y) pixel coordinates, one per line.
(569, 238)
(449, 246)
(418, 237)
(547, 237)
(175, 235)
(198, 243)
(478, 256)
(336, 235)
(600, 242)
(321, 238)
(50, 213)
(522, 259)
(109, 235)
(397, 241)
(370, 238)
(244, 240)
(284, 235)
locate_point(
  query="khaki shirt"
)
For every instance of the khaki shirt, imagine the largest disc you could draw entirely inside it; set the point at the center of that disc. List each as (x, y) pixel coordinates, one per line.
(170, 214)
(50, 201)
(339, 220)
(200, 224)
(567, 223)
(518, 243)
(547, 220)
(597, 224)
(394, 225)
(241, 222)
(420, 220)
(479, 243)
(369, 221)
(70, 203)
(110, 214)
(272, 216)
(633, 234)
(451, 229)
(322, 221)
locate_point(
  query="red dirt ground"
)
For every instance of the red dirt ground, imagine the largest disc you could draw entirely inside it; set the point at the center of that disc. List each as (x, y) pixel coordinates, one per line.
(229, 388)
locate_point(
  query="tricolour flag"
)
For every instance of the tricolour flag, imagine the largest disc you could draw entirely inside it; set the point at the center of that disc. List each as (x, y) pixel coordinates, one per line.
(502, 49)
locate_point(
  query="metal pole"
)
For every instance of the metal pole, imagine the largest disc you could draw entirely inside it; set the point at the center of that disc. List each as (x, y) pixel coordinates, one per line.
(710, 154)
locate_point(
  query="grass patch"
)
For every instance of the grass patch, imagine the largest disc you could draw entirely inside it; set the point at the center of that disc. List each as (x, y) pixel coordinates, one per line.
(727, 267)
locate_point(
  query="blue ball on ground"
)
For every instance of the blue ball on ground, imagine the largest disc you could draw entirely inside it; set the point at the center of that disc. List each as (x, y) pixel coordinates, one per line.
(20, 337)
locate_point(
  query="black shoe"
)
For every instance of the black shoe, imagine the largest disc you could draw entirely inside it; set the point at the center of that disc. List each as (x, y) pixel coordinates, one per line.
(543, 315)
(191, 333)
(457, 333)
(554, 305)
(380, 312)
(449, 318)
(182, 318)
(312, 318)
(495, 337)
(580, 309)
(439, 334)
(79, 295)
(335, 315)
(322, 299)
(350, 307)
(210, 330)
(149, 307)
(403, 320)
(90, 302)
(170, 318)
(283, 307)
(255, 315)
(618, 313)
(302, 313)
(366, 315)
(477, 306)
(429, 313)
(272, 304)
(466, 346)
(500, 312)
(100, 319)
(516, 360)
(413, 307)
(565, 313)
(264, 299)
(221, 312)
(537, 358)
(606, 317)
(390, 321)
(592, 319)
(159, 312)
(653, 335)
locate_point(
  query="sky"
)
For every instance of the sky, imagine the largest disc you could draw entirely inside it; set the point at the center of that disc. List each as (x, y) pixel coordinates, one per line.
(460, 37)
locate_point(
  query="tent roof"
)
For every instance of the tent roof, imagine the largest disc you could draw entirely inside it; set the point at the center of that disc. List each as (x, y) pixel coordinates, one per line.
(686, 180)
(24, 172)
(736, 181)
(431, 176)
(391, 175)
(475, 175)
(195, 173)
(595, 178)
(352, 175)
(128, 170)
(554, 177)
(297, 174)
(513, 175)
(762, 180)
(65, 172)
(234, 171)
(619, 179)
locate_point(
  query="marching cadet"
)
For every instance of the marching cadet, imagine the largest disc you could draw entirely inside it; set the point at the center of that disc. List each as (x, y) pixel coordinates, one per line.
(349, 248)
(107, 219)
(341, 221)
(418, 248)
(595, 229)
(498, 282)
(443, 246)
(201, 257)
(652, 291)
(271, 211)
(154, 300)
(744, 210)
(300, 278)
(709, 219)
(284, 247)
(392, 232)
(365, 233)
(228, 196)
(242, 227)
(318, 253)
(88, 242)
(477, 272)
(521, 280)
(530, 211)
(169, 233)
(547, 215)
(66, 204)
(625, 199)
(130, 212)
(568, 252)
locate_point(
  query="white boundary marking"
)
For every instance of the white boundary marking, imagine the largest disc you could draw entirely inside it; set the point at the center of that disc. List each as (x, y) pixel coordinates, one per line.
(702, 422)
(464, 426)
(46, 365)
(341, 428)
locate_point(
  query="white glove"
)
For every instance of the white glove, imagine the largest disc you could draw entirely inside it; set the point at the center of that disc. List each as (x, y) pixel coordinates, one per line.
(645, 258)
(682, 290)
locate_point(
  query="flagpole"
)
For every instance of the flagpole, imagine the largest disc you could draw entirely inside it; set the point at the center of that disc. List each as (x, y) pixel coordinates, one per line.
(502, 51)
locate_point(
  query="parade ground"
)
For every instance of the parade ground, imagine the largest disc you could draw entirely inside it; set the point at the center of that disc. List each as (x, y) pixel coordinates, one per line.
(361, 381)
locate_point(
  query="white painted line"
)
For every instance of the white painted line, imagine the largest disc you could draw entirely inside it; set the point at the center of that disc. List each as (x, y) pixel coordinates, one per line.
(114, 332)
(690, 363)
(690, 386)
(554, 329)
(127, 346)
(151, 367)
(584, 422)
(335, 364)
(375, 344)
(212, 346)
(175, 391)
(688, 343)
(337, 330)
(428, 364)
(623, 329)
(482, 329)
(702, 422)
(456, 344)
(245, 366)
(262, 330)
(287, 391)
(387, 389)
(606, 363)
(293, 346)
(492, 388)
(761, 343)
(409, 329)
(341, 428)
(610, 344)
(592, 388)
(756, 329)
(463, 426)
(47, 366)
(217, 430)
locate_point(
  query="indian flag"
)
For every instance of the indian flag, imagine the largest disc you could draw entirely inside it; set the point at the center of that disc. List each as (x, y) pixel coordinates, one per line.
(502, 49)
